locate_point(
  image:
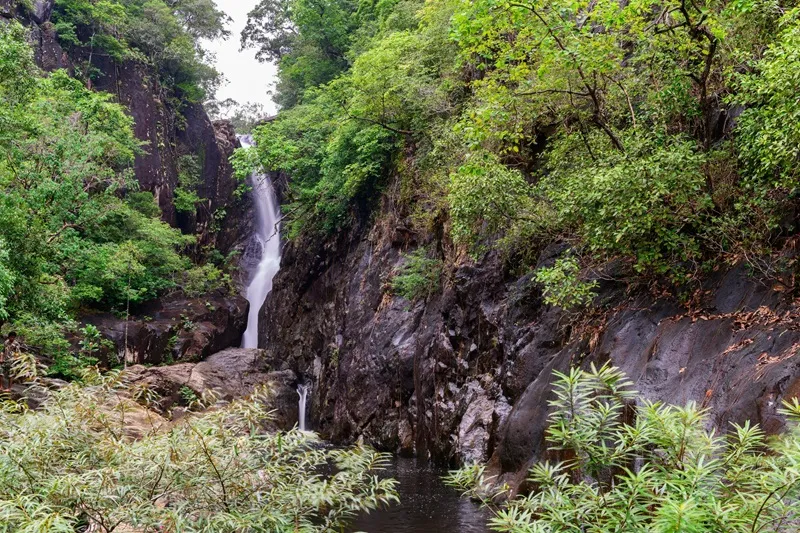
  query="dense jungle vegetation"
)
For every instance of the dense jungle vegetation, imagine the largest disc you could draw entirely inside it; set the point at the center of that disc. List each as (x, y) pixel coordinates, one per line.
(76, 231)
(660, 134)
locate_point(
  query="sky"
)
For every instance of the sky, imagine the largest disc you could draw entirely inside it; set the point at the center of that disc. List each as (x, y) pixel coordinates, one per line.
(248, 80)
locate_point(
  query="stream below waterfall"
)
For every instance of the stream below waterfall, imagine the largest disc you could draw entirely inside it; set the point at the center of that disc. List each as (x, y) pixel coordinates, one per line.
(426, 505)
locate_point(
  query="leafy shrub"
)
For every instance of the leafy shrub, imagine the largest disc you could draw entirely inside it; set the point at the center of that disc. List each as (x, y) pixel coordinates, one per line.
(186, 194)
(7, 279)
(663, 471)
(646, 203)
(768, 135)
(418, 277)
(337, 165)
(92, 458)
(204, 279)
(563, 286)
(485, 197)
(188, 396)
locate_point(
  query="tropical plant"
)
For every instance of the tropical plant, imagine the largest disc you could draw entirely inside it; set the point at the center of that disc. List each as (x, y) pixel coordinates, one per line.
(563, 285)
(632, 465)
(418, 277)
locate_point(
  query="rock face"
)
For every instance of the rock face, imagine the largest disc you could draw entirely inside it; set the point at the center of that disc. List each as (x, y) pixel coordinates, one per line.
(221, 220)
(229, 374)
(466, 375)
(176, 329)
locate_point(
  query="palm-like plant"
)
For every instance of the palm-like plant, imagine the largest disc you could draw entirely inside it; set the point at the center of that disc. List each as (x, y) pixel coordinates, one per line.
(649, 468)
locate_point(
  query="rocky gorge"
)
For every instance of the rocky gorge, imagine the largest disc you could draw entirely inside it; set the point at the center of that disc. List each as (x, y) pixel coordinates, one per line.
(464, 376)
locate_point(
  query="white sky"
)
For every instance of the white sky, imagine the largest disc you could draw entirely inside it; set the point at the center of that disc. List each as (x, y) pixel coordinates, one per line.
(248, 80)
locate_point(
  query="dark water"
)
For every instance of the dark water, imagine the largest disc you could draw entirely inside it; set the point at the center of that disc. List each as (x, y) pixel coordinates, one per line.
(426, 505)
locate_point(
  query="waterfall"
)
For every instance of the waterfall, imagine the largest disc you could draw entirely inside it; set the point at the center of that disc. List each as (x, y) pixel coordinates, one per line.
(268, 240)
(302, 391)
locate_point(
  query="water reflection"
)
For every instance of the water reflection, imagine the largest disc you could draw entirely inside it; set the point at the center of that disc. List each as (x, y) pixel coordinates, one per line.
(426, 505)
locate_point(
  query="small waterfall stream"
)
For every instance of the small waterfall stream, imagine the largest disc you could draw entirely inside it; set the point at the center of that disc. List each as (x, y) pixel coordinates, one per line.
(268, 237)
(302, 391)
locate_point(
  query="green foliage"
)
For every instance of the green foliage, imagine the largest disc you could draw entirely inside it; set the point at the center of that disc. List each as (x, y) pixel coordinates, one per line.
(519, 122)
(663, 471)
(768, 135)
(188, 396)
(7, 279)
(166, 35)
(338, 143)
(335, 165)
(203, 279)
(647, 203)
(308, 39)
(92, 458)
(186, 193)
(484, 196)
(62, 176)
(563, 286)
(76, 232)
(418, 277)
(92, 341)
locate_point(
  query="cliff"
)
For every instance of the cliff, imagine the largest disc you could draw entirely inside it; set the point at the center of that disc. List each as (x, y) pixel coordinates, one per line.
(465, 375)
(169, 130)
(172, 131)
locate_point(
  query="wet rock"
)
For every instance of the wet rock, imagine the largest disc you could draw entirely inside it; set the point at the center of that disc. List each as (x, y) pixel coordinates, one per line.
(176, 329)
(228, 375)
(42, 9)
(7, 10)
(474, 429)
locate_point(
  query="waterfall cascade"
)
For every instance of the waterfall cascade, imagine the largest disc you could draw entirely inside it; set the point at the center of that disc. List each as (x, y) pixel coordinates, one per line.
(302, 390)
(268, 238)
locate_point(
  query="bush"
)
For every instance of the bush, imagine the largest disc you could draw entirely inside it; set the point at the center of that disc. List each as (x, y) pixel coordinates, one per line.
(563, 286)
(204, 279)
(485, 197)
(768, 134)
(662, 472)
(91, 458)
(646, 204)
(419, 276)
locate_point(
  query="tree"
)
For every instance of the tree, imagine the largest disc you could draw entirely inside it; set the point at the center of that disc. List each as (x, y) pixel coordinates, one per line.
(270, 30)
(168, 34)
(309, 39)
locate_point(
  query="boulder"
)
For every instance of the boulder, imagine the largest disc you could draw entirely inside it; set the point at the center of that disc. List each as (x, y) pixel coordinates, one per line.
(176, 328)
(228, 375)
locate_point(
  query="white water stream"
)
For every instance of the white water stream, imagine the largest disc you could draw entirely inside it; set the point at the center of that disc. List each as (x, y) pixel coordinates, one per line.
(268, 237)
(302, 391)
